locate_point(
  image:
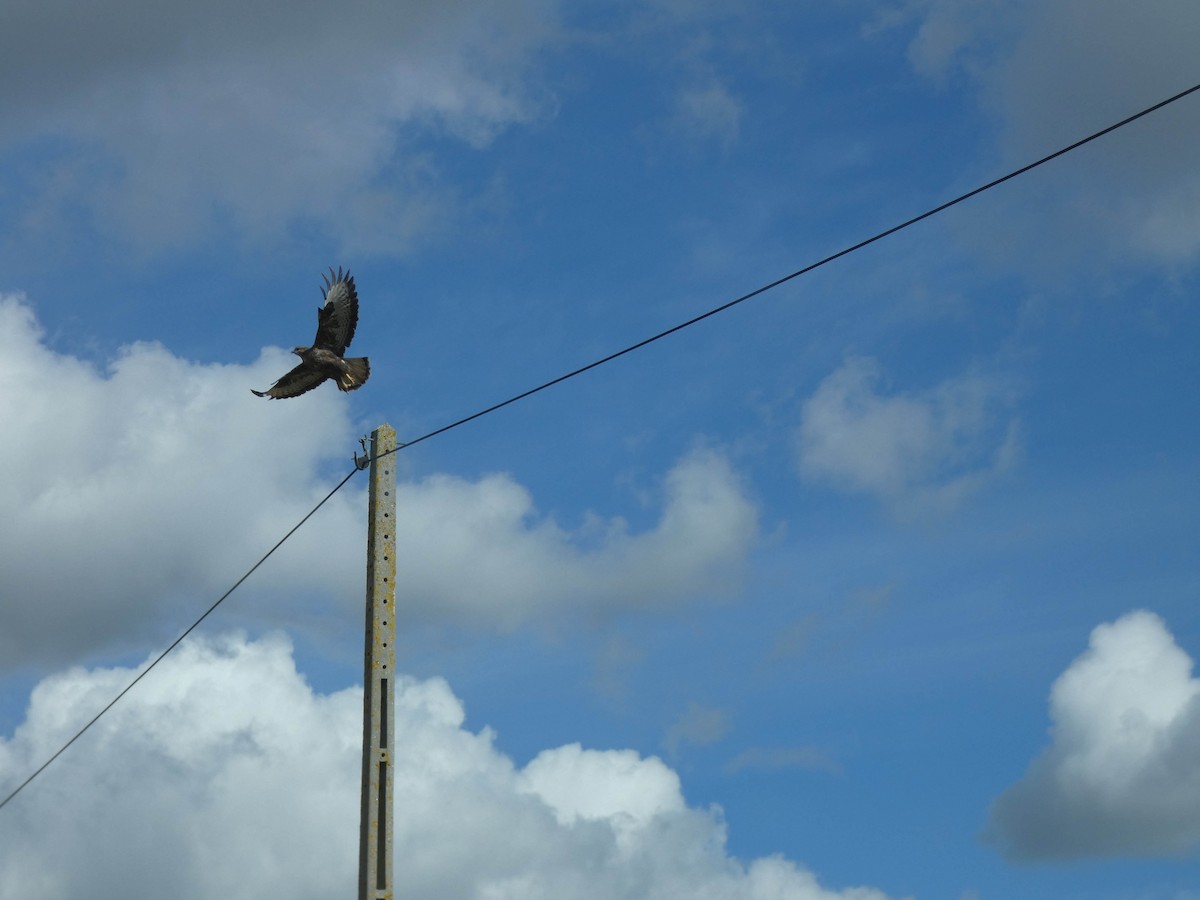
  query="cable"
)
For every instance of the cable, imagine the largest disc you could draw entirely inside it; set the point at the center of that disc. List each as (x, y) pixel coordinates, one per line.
(612, 356)
(804, 271)
(176, 642)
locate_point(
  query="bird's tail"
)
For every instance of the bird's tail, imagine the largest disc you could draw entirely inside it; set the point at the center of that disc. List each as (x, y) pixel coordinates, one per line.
(359, 370)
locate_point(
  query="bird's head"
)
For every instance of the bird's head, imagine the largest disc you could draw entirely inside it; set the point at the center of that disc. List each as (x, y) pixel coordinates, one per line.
(300, 351)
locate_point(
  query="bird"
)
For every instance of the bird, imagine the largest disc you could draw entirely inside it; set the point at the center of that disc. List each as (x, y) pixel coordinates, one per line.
(336, 320)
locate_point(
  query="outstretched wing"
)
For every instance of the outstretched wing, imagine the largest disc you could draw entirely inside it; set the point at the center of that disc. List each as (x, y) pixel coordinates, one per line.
(336, 320)
(300, 380)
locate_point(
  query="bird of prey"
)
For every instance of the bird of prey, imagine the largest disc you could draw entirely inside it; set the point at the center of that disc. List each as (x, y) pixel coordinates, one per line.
(336, 320)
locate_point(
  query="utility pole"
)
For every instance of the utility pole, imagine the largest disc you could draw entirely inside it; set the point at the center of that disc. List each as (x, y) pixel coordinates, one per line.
(375, 833)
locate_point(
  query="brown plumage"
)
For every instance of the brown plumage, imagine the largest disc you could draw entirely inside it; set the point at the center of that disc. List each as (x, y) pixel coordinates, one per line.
(336, 320)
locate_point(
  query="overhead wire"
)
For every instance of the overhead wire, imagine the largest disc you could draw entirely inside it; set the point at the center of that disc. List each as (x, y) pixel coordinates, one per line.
(361, 463)
(846, 251)
(175, 643)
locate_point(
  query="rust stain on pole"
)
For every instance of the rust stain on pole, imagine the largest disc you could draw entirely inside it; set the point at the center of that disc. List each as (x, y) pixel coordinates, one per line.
(375, 833)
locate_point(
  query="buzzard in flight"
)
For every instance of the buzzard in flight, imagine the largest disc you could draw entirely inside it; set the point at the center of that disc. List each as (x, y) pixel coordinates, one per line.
(336, 320)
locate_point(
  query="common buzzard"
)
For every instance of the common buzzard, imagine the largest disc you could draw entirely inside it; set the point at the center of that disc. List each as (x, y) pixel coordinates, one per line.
(336, 320)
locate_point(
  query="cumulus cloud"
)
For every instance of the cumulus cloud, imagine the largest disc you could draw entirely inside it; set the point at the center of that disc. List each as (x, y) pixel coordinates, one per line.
(1055, 71)
(477, 551)
(196, 787)
(172, 119)
(917, 451)
(152, 479)
(1121, 776)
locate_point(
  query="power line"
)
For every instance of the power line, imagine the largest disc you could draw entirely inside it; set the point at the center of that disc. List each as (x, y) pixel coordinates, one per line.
(804, 271)
(582, 369)
(175, 643)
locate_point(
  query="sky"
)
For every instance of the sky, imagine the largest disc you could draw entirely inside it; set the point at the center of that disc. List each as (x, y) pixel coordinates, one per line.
(881, 584)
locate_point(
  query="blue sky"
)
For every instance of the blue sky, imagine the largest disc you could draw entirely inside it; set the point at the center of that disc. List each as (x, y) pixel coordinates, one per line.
(881, 584)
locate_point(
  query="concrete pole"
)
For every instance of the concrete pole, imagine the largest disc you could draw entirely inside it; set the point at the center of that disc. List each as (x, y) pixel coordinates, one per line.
(375, 834)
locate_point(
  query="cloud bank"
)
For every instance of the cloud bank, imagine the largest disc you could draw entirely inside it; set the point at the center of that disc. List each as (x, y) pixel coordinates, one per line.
(196, 787)
(1121, 776)
(161, 123)
(157, 480)
(132, 486)
(478, 552)
(1053, 72)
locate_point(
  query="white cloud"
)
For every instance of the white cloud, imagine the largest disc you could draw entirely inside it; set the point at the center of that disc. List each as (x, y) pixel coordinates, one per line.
(1121, 776)
(158, 479)
(918, 451)
(591, 785)
(195, 787)
(154, 479)
(478, 551)
(263, 117)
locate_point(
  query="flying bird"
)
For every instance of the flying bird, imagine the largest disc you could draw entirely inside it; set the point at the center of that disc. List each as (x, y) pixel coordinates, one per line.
(336, 320)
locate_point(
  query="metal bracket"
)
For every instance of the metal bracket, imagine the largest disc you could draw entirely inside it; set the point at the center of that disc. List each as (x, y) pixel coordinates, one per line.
(365, 460)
